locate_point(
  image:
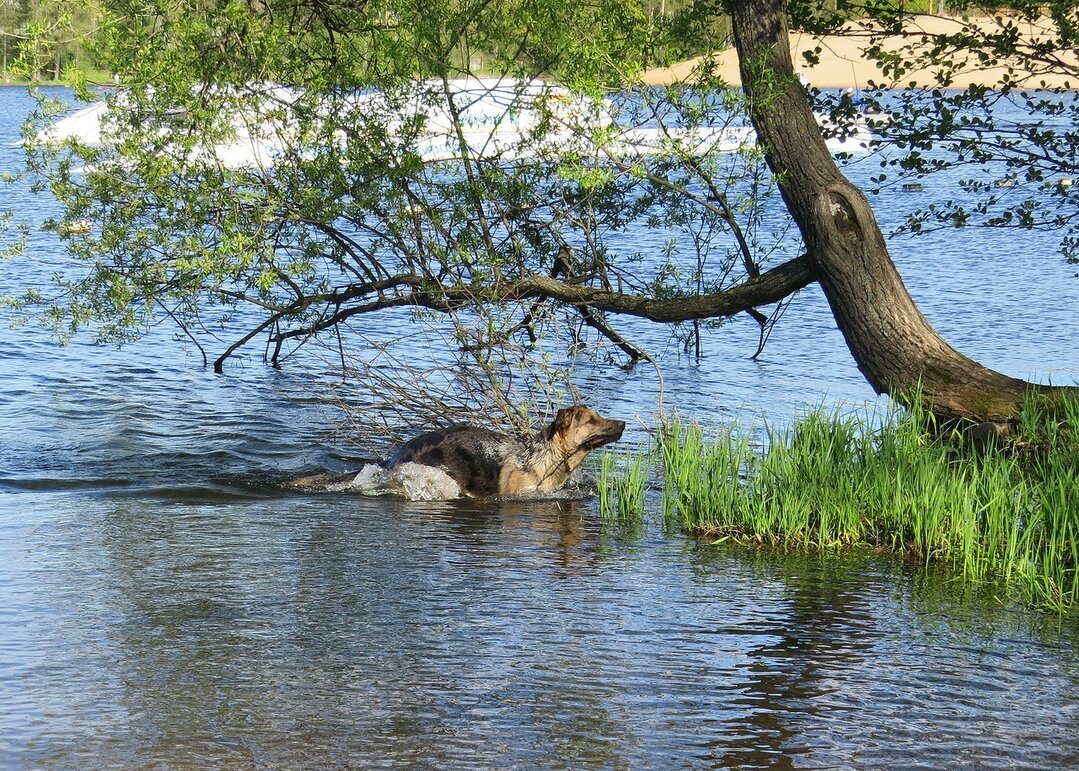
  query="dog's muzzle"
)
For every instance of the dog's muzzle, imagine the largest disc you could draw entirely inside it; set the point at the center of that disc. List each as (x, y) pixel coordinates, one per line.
(612, 433)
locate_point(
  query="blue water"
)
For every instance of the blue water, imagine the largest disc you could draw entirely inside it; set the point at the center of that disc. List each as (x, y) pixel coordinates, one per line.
(163, 603)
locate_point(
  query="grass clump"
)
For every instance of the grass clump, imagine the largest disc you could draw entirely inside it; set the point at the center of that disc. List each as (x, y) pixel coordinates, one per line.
(1007, 512)
(623, 480)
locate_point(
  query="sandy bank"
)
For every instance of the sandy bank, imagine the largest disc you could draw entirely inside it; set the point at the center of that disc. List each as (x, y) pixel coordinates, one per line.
(843, 64)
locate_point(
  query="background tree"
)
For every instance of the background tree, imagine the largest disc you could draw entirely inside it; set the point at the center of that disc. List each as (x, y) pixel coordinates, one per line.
(13, 15)
(46, 39)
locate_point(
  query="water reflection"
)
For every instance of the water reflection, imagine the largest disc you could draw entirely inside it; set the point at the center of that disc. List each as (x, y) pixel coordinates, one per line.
(820, 622)
(296, 630)
(858, 672)
(321, 624)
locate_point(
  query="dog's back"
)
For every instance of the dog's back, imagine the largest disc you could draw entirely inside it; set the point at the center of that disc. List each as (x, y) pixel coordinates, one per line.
(474, 457)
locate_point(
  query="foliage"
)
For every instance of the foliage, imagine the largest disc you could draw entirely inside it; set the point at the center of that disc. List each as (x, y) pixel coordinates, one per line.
(378, 202)
(352, 218)
(1002, 102)
(47, 39)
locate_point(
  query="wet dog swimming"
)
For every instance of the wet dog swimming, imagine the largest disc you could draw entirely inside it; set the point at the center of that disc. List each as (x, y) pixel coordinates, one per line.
(483, 462)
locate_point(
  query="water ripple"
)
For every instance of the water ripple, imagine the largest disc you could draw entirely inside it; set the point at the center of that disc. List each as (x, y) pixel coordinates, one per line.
(163, 603)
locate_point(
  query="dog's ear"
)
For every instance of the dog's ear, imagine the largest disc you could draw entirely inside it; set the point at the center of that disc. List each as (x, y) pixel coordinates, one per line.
(563, 419)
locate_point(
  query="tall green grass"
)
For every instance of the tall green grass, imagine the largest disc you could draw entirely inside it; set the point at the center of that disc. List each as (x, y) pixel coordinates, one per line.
(623, 480)
(1006, 512)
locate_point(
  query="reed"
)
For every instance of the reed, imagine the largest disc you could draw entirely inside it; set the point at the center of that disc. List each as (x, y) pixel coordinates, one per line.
(622, 484)
(1008, 512)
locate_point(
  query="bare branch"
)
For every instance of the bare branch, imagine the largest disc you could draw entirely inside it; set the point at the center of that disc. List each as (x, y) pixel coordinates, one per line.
(219, 362)
(633, 352)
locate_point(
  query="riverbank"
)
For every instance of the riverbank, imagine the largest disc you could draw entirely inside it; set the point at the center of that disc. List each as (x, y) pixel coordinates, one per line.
(842, 63)
(92, 77)
(1004, 515)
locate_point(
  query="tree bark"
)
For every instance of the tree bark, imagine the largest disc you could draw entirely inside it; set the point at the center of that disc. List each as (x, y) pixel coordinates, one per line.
(896, 348)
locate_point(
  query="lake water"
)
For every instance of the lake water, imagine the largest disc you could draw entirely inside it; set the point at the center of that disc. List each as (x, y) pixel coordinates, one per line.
(163, 603)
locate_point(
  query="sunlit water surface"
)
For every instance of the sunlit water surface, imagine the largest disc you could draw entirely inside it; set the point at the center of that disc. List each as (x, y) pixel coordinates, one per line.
(164, 603)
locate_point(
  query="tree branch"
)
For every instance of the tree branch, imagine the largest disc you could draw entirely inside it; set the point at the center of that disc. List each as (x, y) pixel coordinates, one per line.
(634, 353)
(769, 287)
(219, 362)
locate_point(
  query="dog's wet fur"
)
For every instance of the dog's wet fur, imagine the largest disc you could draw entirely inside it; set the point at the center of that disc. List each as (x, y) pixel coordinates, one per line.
(486, 463)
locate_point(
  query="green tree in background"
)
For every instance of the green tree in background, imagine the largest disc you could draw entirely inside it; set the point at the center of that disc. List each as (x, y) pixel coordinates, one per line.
(12, 31)
(46, 39)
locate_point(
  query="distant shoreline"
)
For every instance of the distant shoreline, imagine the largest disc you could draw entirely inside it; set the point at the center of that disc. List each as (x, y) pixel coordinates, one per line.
(93, 77)
(842, 63)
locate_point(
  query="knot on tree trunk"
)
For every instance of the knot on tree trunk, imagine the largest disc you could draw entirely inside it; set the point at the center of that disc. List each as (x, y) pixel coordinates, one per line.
(842, 215)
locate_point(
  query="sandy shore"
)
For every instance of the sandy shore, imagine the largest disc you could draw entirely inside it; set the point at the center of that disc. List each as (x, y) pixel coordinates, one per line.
(843, 65)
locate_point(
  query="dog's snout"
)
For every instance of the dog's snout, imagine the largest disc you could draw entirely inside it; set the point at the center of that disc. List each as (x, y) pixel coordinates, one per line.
(618, 427)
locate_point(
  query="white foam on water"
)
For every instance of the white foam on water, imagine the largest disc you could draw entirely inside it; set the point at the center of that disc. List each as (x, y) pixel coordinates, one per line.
(412, 480)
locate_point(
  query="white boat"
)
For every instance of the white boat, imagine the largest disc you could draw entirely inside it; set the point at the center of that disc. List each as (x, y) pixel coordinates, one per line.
(498, 119)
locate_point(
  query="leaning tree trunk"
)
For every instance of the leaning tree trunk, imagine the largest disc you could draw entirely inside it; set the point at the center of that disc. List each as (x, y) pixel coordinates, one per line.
(896, 348)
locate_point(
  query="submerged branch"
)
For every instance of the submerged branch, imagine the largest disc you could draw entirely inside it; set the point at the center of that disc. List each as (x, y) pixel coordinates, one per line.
(219, 362)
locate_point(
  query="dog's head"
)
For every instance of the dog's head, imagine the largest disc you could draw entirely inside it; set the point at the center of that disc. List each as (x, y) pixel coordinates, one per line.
(579, 429)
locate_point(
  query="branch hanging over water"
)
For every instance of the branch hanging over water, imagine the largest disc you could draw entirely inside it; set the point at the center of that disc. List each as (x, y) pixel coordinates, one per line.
(415, 291)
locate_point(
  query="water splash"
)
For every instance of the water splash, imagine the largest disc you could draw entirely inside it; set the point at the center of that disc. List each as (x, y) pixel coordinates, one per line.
(413, 481)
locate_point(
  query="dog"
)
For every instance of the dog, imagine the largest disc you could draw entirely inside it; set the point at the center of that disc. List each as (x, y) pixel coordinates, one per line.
(485, 463)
